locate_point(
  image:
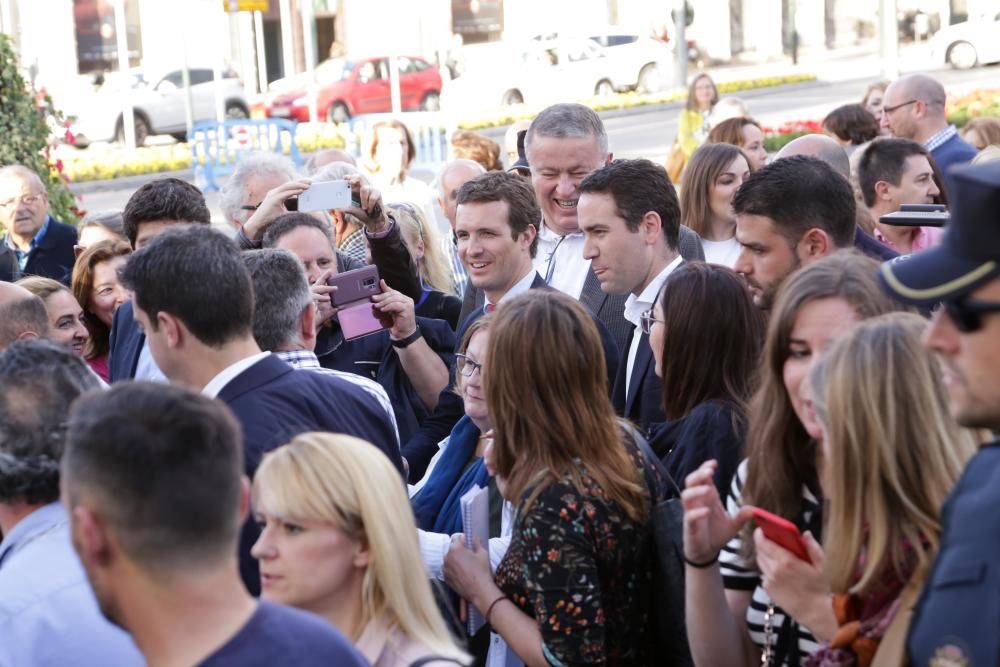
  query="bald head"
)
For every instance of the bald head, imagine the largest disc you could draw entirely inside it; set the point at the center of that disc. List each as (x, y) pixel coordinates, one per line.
(510, 139)
(821, 147)
(924, 88)
(22, 315)
(913, 107)
(453, 176)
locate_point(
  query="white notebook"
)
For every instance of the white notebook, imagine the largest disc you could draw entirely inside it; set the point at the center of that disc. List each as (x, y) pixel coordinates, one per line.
(476, 523)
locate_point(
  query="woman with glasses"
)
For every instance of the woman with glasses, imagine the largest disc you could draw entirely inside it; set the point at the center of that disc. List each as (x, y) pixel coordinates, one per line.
(706, 359)
(576, 584)
(749, 600)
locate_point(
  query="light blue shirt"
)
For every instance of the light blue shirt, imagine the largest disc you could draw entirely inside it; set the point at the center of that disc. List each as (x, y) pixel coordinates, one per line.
(48, 613)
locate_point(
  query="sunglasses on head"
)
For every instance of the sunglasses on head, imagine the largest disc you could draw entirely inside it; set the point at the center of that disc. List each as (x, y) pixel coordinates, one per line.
(967, 314)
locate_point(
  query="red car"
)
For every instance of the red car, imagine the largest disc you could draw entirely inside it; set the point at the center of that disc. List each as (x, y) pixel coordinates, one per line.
(351, 87)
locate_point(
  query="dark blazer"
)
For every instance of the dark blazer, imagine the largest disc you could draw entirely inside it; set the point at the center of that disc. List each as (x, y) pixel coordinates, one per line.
(420, 449)
(373, 357)
(867, 245)
(273, 403)
(954, 151)
(125, 345)
(644, 406)
(608, 308)
(10, 271)
(52, 258)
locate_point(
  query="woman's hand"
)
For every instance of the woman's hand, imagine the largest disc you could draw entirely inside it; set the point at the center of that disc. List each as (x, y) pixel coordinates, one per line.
(468, 573)
(273, 206)
(707, 526)
(798, 587)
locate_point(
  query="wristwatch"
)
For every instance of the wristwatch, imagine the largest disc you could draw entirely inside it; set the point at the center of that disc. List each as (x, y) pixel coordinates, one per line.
(406, 342)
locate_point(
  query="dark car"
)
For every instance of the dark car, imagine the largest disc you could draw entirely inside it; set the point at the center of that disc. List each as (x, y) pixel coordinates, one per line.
(351, 87)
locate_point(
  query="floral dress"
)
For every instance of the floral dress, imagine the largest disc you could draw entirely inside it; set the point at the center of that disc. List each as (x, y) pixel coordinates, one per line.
(583, 570)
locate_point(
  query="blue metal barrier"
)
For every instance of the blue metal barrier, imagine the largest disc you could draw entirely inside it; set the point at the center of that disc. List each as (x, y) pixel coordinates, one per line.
(217, 147)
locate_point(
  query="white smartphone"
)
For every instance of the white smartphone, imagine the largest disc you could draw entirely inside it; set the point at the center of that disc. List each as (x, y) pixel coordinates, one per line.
(325, 195)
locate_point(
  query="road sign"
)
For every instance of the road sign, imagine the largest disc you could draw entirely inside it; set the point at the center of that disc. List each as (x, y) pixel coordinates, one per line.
(246, 5)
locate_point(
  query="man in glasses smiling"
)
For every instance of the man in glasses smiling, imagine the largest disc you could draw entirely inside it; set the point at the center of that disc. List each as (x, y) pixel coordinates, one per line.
(963, 276)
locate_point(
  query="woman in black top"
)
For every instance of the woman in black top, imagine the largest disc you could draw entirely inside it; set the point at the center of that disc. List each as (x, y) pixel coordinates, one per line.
(706, 336)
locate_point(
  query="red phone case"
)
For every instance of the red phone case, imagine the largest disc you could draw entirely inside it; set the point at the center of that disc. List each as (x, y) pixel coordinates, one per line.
(782, 532)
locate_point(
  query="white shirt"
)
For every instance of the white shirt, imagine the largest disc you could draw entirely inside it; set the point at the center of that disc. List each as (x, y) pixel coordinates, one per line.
(571, 268)
(724, 253)
(520, 287)
(146, 368)
(229, 373)
(635, 306)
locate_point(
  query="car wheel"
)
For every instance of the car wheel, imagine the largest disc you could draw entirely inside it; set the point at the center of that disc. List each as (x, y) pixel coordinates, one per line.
(650, 79)
(338, 113)
(512, 97)
(604, 88)
(236, 112)
(962, 55)
(141, 130)
(431, 101)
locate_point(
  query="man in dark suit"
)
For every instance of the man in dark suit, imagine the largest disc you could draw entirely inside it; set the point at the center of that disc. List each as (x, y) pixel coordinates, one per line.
(497, 236)
(40, 244)
(194, 300)
(564, 143)
(630, 217)
(154, 207)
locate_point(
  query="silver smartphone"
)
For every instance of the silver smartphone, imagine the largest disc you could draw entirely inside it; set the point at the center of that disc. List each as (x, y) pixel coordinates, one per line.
(325, 195)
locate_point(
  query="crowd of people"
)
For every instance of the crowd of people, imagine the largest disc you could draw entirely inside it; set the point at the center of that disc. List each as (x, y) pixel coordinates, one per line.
(721, 411)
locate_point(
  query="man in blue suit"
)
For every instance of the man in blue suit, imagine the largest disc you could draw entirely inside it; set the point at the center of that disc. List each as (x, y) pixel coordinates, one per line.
(193, 298)
(154, 207)
(630, 218)
(913, 108)
(34, 243)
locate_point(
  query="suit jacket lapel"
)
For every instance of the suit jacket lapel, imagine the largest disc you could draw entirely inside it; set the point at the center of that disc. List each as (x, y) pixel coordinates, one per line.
(592, 296)
(259, 374)
(643, 357)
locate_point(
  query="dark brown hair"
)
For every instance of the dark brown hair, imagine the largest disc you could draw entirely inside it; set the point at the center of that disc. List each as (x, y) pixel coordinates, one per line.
(712, 339)
(522, 208)
(707, 162)
(83, 285)
(853, 123)
(547, 392)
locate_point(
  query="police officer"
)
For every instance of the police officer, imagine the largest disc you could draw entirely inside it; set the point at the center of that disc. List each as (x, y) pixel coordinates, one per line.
(957, 620)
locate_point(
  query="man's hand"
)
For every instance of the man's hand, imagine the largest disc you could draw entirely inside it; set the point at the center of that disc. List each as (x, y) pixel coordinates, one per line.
(272, 207)
(371, 213)
(396, 312)
(323, 297)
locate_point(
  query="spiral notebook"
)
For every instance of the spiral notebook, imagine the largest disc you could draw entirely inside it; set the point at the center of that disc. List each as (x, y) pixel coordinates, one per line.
(476, 523)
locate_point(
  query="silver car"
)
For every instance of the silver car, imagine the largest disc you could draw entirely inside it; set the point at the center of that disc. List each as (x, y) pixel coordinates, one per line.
(157, 109)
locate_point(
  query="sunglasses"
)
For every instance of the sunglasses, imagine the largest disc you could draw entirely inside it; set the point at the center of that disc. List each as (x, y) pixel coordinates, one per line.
(967, 314)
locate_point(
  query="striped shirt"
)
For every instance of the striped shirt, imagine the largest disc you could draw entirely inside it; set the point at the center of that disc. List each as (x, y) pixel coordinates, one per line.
(306, 360)
(738, 574)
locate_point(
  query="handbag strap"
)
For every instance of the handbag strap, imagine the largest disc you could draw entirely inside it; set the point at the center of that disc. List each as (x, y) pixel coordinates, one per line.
(652, 462)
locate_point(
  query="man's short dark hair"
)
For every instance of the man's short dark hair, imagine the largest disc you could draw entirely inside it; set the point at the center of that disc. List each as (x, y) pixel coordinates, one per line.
(164, 465)
(522, 208)
(288, 222)
(800, 193)
(22, 315)
(281, 293)
(637, 187)
(39, 380)
(197, 275)
(885, 160)
(165, 199)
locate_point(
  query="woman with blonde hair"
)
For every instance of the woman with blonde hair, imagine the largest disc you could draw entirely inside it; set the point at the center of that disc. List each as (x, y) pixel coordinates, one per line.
(65, 314)
(749, 600)
(338, 539)
(438, 300)
(890, 455)
(982, 132)
(571, 470)
(712, 177)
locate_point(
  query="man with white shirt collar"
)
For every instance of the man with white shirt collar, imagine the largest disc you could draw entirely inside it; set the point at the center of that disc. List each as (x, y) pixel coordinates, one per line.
(630, 219)
(193, 298)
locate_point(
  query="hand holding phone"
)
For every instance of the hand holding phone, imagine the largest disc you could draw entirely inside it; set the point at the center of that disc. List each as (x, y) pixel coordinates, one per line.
(782, 532)
(353, 301)
(325, 196)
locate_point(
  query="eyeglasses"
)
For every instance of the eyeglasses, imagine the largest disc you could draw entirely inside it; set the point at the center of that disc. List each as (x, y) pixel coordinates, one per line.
(291, 204)
(467, 365)
(23, 199)
(646, 321)
(967, 313)
(888, 110)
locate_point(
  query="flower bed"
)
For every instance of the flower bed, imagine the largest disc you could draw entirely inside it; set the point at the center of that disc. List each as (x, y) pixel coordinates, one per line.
(983, 102)
(776, 138)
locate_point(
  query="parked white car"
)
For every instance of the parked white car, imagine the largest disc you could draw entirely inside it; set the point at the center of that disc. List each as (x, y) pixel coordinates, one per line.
(633, 61)
(967, 44)
(157, 109)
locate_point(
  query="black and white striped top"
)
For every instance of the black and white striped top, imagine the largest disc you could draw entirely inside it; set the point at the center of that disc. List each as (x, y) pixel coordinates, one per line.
(737, 574)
